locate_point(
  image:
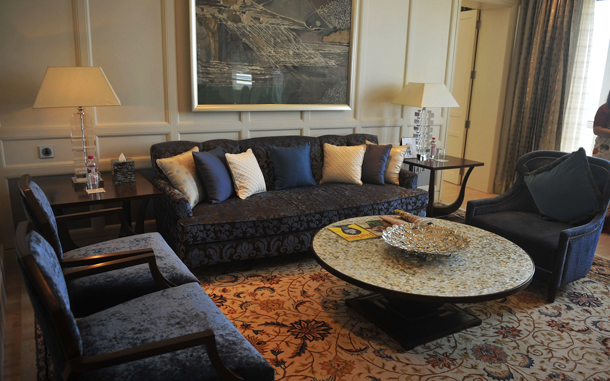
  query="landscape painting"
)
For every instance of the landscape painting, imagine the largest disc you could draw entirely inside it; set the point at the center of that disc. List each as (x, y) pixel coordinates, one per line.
(250, 55)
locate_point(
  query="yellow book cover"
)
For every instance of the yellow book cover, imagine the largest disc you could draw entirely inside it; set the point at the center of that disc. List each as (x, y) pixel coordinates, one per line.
(352, 232)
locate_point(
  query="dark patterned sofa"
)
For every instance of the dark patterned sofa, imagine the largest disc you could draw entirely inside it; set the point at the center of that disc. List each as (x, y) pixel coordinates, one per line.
(274, 222)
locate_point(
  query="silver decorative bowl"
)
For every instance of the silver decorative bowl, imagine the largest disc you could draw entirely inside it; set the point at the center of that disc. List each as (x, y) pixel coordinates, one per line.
(425, 240)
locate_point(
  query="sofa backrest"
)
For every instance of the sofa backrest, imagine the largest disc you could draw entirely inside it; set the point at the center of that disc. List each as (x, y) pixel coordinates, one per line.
(260, 148)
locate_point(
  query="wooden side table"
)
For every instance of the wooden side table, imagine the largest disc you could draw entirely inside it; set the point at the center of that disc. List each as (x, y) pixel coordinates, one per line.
(62, 193)
(433, 165)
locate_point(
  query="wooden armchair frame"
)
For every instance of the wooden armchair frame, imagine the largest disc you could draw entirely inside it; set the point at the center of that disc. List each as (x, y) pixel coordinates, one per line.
(76, 362)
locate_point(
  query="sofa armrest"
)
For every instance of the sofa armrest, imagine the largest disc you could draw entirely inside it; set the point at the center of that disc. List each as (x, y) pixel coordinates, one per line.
(174, 200)
(517, 198)
(407, 179)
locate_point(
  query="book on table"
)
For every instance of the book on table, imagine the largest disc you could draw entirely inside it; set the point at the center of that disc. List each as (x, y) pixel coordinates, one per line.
(352, 232)
(375, 226)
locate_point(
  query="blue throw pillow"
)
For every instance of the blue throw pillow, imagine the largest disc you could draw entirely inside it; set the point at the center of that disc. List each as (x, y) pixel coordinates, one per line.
(292, 166)
(373, 165)
(565, 190)
(214, 174)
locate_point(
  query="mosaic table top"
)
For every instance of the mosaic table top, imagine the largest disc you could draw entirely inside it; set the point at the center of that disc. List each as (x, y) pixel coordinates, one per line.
(488, 266)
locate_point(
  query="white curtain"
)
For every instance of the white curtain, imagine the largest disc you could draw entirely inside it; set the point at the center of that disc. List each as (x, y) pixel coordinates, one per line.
(582, 103)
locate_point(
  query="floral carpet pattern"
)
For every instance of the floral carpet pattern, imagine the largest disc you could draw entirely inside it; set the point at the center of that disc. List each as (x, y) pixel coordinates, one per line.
(294, 314)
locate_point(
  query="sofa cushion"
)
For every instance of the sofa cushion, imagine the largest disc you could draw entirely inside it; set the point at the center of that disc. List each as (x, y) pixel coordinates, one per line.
(374, 163)
(292, 166)
(181, 172)
(213, 171)
(166, 314)
(247, 176)
(342, 164)
(565, 189)
(97, 292)
(278, 212)
(260, 147)
(537, 237)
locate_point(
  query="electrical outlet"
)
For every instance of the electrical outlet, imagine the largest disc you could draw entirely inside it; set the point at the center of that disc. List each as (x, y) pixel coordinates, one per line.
(46, 152)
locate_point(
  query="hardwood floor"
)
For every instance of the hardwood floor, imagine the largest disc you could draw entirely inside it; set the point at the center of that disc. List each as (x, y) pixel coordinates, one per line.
(20, 348)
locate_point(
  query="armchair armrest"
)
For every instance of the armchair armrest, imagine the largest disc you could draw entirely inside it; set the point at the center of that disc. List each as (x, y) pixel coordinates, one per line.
(577, 244)
(95, 259)
(122, 263)
(517, 198)
(85, 363)
(407, 179)
(174, 200)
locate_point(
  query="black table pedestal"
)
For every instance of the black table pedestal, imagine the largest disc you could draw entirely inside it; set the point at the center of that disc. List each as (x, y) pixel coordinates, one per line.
(412, 323)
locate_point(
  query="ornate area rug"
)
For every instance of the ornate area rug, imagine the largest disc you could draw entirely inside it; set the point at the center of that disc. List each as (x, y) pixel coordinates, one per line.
(294, 314)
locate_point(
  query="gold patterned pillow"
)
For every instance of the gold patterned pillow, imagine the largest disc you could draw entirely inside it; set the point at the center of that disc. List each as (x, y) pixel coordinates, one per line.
(394, 165)
(247, 175)
(182, 173)
(342, 164)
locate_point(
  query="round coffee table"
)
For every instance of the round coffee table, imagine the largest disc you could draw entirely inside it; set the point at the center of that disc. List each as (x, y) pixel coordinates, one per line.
(412, 299)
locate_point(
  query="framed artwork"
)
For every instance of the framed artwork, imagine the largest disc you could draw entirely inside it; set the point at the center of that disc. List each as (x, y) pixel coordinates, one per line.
(411, 152)
(274, 55)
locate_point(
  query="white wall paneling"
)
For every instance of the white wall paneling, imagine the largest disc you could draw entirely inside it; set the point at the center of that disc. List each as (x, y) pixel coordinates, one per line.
(143, 47)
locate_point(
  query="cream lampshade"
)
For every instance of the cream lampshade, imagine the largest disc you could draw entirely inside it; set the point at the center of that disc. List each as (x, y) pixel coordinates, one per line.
(424, 95)
(76, 87)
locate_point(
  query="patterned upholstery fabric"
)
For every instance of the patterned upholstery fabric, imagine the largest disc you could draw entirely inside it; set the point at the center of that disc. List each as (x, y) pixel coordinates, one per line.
(274, 222)
(163, 315)
(49, 266)
(97, 292)
(289, 210)
(42, 200)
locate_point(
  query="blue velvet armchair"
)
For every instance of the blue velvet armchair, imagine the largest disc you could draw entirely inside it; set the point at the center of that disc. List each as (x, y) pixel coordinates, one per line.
(562, 252)
(176, 333)
(101, 291)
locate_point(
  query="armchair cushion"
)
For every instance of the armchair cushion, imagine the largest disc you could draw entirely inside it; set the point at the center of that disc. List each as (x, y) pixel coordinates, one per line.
(565, 189)
(93, 293)
(528, 230)
(163, 315)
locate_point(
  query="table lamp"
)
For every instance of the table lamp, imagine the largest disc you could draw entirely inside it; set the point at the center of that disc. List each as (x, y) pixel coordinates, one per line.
(424, 95)
(77, 87)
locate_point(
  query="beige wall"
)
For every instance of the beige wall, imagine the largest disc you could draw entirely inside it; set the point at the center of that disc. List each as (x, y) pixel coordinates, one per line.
(142, 45)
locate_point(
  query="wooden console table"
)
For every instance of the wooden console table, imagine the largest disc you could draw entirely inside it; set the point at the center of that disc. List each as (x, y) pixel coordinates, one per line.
(62, 193)
(434, 165)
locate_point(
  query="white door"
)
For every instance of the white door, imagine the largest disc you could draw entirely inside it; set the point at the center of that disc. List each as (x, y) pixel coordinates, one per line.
(462, 79)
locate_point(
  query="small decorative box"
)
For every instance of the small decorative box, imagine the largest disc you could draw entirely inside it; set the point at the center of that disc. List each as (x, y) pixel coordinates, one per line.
(123, 172)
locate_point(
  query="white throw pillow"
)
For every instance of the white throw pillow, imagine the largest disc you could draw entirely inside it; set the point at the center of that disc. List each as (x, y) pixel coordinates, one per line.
(342, 164)
(247, 175)
(182, 173)
(394, 164)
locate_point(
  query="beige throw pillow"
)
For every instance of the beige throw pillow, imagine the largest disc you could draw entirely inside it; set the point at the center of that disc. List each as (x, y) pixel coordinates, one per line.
(394, 165)
(182, 173)
(342, 164)
(247, 175)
